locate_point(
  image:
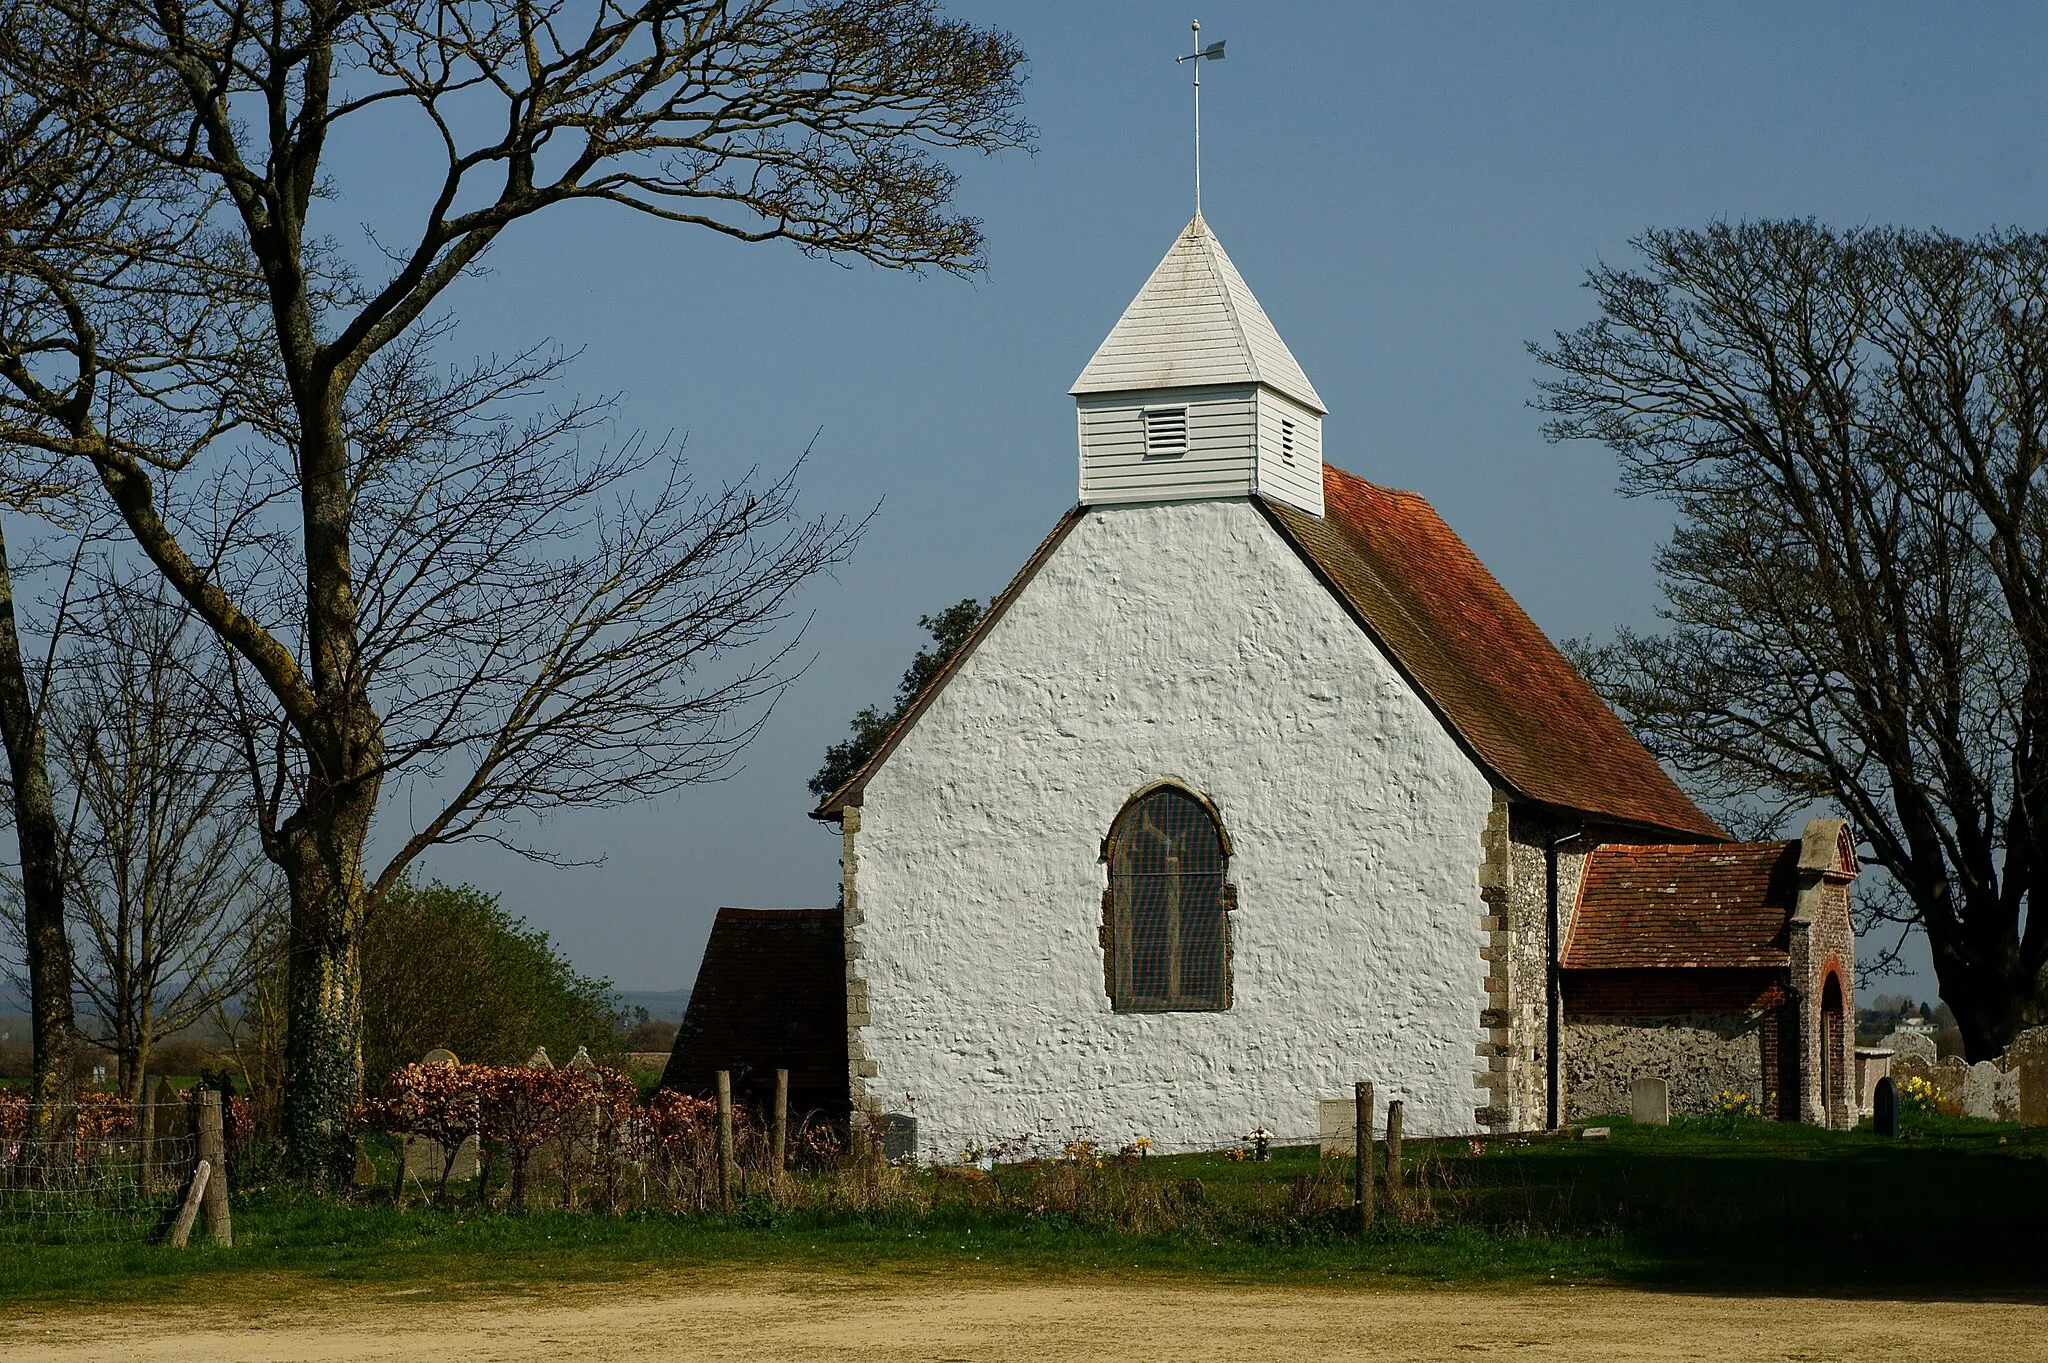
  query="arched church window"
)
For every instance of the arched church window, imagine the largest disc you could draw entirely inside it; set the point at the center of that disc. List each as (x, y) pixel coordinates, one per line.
(1166, 926)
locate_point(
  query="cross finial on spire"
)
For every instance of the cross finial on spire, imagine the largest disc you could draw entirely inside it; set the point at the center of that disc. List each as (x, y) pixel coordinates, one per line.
(1214, 53)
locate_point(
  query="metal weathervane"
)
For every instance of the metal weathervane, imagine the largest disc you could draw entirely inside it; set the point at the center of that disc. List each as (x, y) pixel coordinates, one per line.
(1212, 53)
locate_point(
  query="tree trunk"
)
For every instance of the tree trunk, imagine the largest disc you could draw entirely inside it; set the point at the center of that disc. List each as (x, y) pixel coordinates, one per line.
(52, 1027)
(321, 851)
(1993, 998)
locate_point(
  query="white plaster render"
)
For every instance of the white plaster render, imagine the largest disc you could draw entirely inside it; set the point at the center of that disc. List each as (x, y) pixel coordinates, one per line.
(1181, 640)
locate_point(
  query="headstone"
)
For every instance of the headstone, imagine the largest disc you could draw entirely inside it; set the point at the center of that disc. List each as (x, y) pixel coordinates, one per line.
(1649, 1102)
(899, 1137)
(172, 1121)
(1980, 1091)
(423, 1161)
(1905, 1067)
(2033, 1104)
(581, 1060)
(1872, 1064)
(1903, 1044)
(440, 1055)
(366, 1172)
(1337, 1125)
(1884, 1107)
(1951, 1084)
(539, 1059)
(2005, 1097)
(2031, 1043)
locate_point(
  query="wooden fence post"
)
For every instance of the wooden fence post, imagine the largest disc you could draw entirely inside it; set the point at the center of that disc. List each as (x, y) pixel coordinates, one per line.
(195, 1193)
(1361, 1194)
(213, 1148)
(1394, 1195)
(778, 1151)
(725, 1170)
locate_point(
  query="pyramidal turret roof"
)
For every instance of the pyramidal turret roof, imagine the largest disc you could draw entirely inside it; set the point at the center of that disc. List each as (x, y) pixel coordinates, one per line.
(1195, 322)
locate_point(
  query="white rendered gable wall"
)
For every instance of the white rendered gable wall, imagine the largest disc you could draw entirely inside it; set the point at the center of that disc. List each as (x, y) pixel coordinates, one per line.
(1174, 640)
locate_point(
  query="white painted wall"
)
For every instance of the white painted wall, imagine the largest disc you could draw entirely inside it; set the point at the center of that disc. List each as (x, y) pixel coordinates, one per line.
(1171, 640)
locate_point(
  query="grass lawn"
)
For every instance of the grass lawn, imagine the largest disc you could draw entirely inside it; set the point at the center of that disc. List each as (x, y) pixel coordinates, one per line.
(1951, 1207)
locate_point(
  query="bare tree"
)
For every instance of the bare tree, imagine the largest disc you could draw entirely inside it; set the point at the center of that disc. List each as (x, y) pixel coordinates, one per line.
(819, 122)
(46, 938)
(1853, 427)
(88, 252)
(163, 868)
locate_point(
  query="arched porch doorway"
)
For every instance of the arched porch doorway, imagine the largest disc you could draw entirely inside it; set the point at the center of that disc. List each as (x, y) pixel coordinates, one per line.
(1834, 1093)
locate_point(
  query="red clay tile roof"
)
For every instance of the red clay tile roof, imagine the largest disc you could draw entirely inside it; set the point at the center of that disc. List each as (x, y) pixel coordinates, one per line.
(1692, 905)
(1493, 676)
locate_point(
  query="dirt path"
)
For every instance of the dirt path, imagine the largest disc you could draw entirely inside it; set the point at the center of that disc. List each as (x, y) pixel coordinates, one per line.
(880, 1318)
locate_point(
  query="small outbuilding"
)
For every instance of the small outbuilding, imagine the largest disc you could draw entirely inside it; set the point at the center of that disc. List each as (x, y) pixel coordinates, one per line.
(1719, 968)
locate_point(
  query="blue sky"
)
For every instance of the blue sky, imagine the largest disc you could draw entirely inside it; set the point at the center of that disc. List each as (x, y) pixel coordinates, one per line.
(1413, 191)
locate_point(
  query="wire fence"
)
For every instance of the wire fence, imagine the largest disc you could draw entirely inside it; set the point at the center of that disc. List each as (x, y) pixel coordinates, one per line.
(100, 1171)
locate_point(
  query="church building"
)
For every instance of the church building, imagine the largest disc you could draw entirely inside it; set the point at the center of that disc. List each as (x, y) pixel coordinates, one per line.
(1254, 782)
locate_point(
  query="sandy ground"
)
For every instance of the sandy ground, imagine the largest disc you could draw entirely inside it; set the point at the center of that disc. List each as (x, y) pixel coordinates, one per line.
(876, 1318)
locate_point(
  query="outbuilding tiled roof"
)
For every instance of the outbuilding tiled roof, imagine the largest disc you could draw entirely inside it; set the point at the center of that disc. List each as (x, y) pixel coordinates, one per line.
(1702, 906)
(1495, 678)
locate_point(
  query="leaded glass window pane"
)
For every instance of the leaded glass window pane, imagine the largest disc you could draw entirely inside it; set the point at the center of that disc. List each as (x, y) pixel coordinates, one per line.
(1170, 935)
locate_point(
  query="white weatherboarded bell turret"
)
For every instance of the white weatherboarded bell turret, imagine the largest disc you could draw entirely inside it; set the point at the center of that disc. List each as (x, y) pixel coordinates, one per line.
(1194, 395)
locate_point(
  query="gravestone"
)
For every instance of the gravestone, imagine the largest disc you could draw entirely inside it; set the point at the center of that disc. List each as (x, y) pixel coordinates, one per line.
(2033, 1041)
(1884, 1107)
(539, 1059)
(899, 1137)
(1337, 1125)
(2005, 1097)
(1903, 1044)
(1907, 1067)
(1951, 1083)
(1872, 1064)
(423, 1160)
(581, 1060)
(2026, 1064)
(1649, 1102)
(1980, 1093)
(423, 1157)
(2033, 1095)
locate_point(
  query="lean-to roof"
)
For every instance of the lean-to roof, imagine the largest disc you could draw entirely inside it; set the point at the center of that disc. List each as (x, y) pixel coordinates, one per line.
(1696, 906)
